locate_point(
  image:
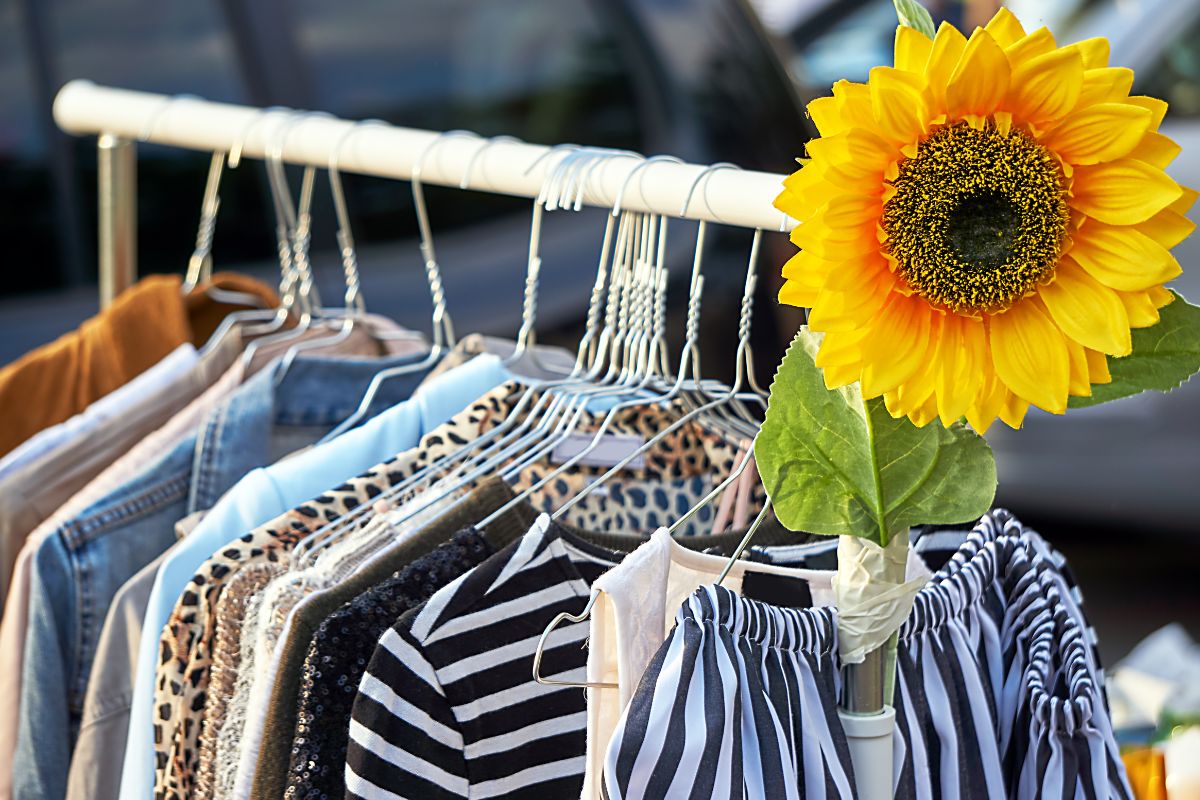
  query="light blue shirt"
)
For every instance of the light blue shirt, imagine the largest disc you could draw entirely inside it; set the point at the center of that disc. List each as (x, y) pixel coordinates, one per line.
(266, 493)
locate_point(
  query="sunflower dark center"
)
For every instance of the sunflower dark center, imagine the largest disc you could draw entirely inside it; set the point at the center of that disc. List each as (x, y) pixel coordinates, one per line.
(978, 217)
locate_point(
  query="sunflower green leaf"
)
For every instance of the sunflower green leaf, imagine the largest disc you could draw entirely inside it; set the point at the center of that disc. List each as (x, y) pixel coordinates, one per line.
(1164, 356)
(836, 465)
(914, 15)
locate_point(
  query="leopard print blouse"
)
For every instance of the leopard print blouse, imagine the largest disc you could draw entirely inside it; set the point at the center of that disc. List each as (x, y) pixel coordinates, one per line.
(677, 472)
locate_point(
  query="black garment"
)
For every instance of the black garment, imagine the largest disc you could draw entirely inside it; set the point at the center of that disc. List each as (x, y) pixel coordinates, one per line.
(338, 656)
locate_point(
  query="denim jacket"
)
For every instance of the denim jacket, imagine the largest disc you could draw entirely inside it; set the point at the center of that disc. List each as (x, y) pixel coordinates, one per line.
(79, 568)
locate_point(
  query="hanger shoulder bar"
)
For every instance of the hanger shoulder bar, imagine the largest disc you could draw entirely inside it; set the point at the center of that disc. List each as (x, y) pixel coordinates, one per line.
(730, 197)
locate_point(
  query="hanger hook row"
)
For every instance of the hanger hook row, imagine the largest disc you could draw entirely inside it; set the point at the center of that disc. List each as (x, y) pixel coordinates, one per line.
(598, 157)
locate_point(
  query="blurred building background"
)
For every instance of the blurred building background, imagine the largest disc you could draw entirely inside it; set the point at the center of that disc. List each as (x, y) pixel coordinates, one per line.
(706, 80)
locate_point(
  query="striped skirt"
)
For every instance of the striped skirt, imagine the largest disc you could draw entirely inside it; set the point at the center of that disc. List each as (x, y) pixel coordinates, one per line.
(999, 693)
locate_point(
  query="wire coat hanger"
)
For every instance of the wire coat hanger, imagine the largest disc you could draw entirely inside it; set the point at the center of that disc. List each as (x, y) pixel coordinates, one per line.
(442, 333)
(204, 241)
(513, 424)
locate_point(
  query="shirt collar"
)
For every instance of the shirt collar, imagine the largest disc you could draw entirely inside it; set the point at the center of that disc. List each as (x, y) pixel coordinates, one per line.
(317, 392)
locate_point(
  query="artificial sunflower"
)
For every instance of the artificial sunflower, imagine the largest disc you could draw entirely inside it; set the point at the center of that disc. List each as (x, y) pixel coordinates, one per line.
(983, 223)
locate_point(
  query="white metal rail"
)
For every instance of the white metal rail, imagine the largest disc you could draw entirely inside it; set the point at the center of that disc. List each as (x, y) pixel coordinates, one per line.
(727, 196)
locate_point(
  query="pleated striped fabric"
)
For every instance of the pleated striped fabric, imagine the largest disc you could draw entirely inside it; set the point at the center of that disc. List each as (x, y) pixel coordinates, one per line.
(999, 685)
(740, 702)
(999, 692)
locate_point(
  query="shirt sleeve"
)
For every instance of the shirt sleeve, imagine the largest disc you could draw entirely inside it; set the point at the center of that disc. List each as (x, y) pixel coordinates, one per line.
(405, 740)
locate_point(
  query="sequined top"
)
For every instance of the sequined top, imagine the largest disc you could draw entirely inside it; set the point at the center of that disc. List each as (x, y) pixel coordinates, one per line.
(338, 656)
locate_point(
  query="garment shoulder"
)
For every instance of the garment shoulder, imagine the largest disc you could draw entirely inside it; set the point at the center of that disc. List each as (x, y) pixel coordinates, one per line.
(471, 592)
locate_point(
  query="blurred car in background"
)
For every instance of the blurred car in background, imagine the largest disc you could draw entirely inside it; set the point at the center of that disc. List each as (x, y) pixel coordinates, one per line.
(694, 78)
(1134, 462)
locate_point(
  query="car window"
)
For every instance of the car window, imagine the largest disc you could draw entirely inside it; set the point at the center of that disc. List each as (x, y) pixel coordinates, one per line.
(542, 70)
(26, 198)
(545, 71)
(1175, 75)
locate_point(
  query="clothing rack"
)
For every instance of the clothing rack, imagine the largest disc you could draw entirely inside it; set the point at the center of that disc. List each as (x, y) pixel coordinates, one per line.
(121, 118)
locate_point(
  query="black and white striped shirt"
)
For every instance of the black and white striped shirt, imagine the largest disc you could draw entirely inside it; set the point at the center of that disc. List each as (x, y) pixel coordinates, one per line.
(448, 707)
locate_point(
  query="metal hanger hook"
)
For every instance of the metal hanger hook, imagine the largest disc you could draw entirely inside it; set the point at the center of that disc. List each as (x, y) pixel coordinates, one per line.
(443, 327)
(660, 159)
(705, 173)
(200, 264)
(353, 298)
(239, 144)
(566, 149)
(483, 148)
(156, 116)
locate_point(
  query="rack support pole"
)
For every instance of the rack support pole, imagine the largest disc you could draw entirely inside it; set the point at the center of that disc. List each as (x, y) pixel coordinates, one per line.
(116, 184)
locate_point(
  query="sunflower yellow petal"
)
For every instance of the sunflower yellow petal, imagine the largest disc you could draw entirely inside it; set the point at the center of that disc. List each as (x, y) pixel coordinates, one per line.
(1168, 228)
(806, 268)
(915, 391)
(1123, 192)
(1097, 367)
(1094, 51)
(1079, 385)
(1045, 88)
(841, 348)
(1012, 413)
(897, 103)
(1029, 46)
(1086, 310)
(854, 103)
(826, 115)
(1005, 28)
(1030, 356)
(834, 244)
(912, 49)
(850, 211)
(853, 154)
(1104, 85)
(1140, 309)
(1103, 132)
(959, 362)
(1160, 296)
(982, 413)
(1187, 198)
(1156, 150)
(1152, 104)
(893, 404)
(838, 376)
(1122, 257)
(925, 413)
(948, 47)
(896, 345)
(794, 294)
(980, 80)
(852, 294)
